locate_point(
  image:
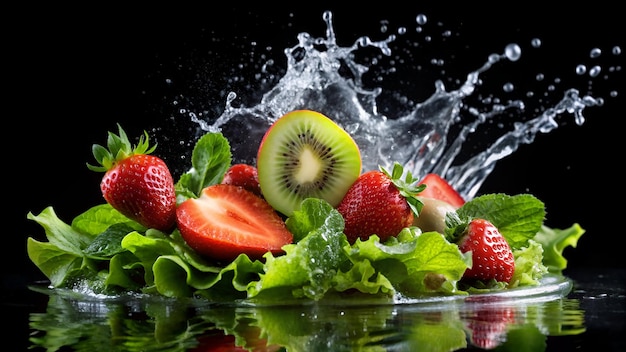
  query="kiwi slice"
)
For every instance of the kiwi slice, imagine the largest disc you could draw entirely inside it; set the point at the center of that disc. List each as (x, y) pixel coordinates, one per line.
(304, 154)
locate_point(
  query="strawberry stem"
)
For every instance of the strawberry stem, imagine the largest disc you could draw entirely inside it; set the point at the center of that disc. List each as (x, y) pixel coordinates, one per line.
(406, 185)
(119, 148)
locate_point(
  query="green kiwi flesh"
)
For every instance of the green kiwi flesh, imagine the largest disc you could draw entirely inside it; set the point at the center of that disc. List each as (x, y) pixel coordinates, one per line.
(304, 154)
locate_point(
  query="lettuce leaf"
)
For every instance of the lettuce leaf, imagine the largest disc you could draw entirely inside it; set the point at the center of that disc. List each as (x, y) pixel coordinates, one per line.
(554, 242)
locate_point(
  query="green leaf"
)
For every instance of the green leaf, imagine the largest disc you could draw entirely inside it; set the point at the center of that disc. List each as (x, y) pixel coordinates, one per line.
(61, 234)
(415, 264)
(554, 242)
(308, 268)
(125, 271)
(99, 218)
(210, 159)
(446, 336)
(147, 250)
(109, 242)
(314, 214)
(56, 264)
(528, 265)
(171, 276)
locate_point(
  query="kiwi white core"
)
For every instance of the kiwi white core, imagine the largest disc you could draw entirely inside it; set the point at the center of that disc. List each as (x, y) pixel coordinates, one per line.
(304, 154)
(310, 166)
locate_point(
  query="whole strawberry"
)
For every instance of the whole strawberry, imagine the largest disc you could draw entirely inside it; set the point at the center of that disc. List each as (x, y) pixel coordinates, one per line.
(488, 322)
(492, 258)
(380, 203)
(136, 184)
(243, 175)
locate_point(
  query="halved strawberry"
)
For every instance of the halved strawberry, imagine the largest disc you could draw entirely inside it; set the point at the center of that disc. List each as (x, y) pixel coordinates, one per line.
(438, 188)
(228, 220)
(380, 203)
(243, 175)
(136, 184)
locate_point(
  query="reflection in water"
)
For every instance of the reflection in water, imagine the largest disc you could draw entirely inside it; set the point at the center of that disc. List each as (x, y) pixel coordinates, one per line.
(156, 323)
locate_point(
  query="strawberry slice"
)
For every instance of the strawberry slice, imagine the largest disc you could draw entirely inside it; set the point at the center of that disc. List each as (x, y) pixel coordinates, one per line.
(228, 220)
(438, 188)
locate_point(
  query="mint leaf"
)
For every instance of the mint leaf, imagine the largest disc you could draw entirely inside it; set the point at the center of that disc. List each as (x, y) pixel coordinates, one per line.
(210, 159)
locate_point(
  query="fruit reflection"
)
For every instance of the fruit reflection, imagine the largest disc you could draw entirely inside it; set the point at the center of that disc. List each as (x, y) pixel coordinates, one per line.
(480, 321)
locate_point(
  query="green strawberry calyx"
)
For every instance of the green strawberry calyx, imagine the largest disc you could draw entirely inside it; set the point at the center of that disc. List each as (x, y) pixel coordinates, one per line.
(455, 226)
(119, 148)
(406, 185)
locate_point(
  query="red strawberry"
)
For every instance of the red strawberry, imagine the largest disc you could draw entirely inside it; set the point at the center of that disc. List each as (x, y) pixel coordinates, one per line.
(243, 175)
(216, 340)
(439, 188)
(488, 323)
(379, 203)
(227, 220)
(492, 257)
(137, 184)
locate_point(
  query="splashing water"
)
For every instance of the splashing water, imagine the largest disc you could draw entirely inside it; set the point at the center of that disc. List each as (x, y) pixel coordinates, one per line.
(325, 77)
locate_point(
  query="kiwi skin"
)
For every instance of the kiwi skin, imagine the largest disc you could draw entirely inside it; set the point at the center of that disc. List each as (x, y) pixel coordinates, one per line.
(305, 154)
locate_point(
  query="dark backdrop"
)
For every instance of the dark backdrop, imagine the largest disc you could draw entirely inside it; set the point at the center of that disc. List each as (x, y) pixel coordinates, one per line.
(74, 73)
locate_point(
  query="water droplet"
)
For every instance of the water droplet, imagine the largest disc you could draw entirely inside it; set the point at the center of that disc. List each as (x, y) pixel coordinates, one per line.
(595, 71)
(581, 69)
(535, 42)
(421, 19)
(616, 50)
(513, 52)
(595, 52)
(383, 26)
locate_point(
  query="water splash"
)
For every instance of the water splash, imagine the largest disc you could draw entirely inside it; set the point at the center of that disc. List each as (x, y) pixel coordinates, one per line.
(326, 77)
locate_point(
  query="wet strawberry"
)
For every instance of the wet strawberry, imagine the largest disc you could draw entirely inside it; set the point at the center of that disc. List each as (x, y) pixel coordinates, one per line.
(492, 258)
(438, 188)
(136, 184)
(243, 175)
(380, 203)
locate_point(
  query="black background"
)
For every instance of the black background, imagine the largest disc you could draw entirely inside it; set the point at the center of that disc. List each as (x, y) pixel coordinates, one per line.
(74, 73)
